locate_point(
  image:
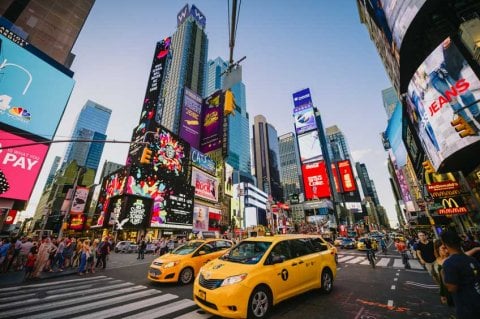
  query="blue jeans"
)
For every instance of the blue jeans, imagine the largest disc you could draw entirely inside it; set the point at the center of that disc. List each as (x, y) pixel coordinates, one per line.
(59, 260)
(442, 82)
(83, 262)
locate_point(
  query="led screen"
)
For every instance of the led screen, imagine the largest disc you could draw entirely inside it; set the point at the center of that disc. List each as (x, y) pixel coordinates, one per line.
(212, 123)
(200, 218)
(304, 119)
(136, 213)
(315, 180)
(302, 97)
(346, 176)
(443, 88)
(173, 206)
(33, 94)
(190, 120)
(19, 166)
(228, 180)
(203, 161)
(309, 145)
(206, 186)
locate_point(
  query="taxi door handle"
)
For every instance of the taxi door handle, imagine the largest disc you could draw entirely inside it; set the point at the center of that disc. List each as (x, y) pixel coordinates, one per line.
(294, 264)
(300, 262)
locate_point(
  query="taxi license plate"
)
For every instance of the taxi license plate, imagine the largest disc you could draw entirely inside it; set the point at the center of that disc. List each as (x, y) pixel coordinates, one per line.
(153, 274)
(202, 294)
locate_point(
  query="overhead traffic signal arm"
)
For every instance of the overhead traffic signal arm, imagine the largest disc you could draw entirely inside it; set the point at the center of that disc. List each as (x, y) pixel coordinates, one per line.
(146, 156)
(463, 127)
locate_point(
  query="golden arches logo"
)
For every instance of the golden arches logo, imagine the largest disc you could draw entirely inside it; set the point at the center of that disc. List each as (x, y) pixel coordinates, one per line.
(449, 202)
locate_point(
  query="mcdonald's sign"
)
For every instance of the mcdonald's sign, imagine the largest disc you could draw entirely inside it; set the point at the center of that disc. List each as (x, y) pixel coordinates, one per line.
(452, 206)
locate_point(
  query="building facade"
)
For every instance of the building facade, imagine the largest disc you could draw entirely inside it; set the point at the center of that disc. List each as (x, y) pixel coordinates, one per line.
(290, 173)
(53, 170)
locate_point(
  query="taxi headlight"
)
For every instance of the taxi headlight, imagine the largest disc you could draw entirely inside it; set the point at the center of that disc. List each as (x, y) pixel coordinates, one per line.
(170, 264)
(233, 280)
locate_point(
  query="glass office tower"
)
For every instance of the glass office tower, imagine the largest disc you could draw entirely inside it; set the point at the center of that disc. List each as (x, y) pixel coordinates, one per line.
(290, 173)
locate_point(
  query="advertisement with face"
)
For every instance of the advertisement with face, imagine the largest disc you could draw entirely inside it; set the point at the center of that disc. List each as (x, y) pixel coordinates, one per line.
(115, 210)
(212, 123)
(304, 119)
(394, 136)
(346, 176)
(302, 97)
(203, 161)
(19, 166)
(190, 119)
(310, 149)
(79, 200)
(33, 94)
(206, 186)
(200, 218)
(442, 89)
(228, 180)
(315, 180)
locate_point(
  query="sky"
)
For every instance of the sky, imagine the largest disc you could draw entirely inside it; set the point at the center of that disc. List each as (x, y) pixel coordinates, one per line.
(289, 45)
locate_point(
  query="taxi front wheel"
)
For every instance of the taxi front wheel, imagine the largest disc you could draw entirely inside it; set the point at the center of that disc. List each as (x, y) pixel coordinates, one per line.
(327, 281)
(259, 303)
(186, 276)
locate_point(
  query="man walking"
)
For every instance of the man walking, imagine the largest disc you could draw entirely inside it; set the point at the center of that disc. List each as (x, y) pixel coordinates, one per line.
(104, 250)
(425, 252)
(142, 245)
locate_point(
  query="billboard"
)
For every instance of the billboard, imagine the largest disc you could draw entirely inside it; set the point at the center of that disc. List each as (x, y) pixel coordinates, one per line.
(33, 94)
(200, 218)
(214, 218)
(190, 119)
(77, 221)
(114, 211)
(228, 180)
(346, 176)
(136, 213)
(79, 200)
(12, 214)
(212, 123)
(19, 166)
(443, 88)
(302, 97)
(394, 135)
(309, 146)
(304, 117)
(203, 162)
(206, 186)
(315, 180)
(173, 206)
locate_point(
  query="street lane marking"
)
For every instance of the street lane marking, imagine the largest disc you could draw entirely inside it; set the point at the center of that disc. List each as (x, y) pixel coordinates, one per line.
(383, 262)
(397, 263)
(393, 287)
(345, 258)
(418, 284)
(163, 310)
(415, 264)
(48, 284)
(397, 274)
(356, 260)
(395, 279)
(390, 303)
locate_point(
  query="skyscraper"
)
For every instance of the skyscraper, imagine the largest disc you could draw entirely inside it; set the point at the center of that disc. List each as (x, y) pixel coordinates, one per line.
(290, 173)
(368, 186)
(187, 67)
(266, 158)
(92, 125)
(53, 170)
(337, 143)
(51, 26)
(215, 75)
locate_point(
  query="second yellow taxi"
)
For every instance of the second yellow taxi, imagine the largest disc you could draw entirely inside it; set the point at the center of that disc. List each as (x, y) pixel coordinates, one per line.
(260, 272)
(183, 263)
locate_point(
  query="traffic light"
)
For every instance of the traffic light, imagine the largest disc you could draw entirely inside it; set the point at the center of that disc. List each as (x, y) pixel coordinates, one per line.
(463, 127)
(229, 107)
(146, 156)
(427, 165)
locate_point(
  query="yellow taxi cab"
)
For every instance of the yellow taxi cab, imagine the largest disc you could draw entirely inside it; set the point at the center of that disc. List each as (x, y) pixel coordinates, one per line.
(361, 244)
(260, 272)
(184, 262)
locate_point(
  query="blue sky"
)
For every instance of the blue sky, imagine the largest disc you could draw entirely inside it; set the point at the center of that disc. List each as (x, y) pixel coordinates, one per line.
(289, 45)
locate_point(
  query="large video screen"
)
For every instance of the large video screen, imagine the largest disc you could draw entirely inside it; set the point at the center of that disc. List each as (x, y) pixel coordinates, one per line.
(173, 206)
(33, 94)
(443, 88)
(315, 180)
(302, 98)
(19, 166)
(206, 186)
(304, 119)
(212, 123)
(190, 120)
(346, 176)
(310, 149)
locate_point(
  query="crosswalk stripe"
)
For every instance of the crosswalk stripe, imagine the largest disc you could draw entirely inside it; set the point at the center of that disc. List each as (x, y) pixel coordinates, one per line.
(397, 263)
(60, 303)
(345, 258)
(196, 314)
(383, 262)
(129, 307)
(415, 264)
(64, 296)
(13, 298)
(97, 304)
(365, 262)
(356, 260)
(163, 310)
(48, 284)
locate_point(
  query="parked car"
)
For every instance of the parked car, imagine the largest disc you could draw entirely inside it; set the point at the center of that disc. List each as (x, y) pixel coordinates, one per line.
(126, 247)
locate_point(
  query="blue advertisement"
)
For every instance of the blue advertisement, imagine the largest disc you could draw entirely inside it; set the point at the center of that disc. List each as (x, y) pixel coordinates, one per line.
(302, 97)
(304, 119)
(33, 94)
(203, 162)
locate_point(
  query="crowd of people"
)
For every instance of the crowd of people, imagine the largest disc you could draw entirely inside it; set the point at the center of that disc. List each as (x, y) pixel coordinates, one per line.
(51, 255)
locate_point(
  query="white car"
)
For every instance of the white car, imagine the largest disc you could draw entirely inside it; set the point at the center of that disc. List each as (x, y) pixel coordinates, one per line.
(126, 247)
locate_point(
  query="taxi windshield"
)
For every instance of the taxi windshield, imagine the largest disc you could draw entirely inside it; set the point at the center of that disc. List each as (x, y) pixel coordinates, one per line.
(188, 248)
(247, 252)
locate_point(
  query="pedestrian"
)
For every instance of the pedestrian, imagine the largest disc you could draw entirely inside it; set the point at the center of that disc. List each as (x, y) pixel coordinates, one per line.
(70, 246)
(58, 259)
(170, 245)
(42, 257)
(401, 247)
(27, 245)
(441, 254)
(142, 245)
(30, 262)
(4, 248)
(425, 252)
(104, 250)
(163, 246)
(93, 257)
(461, 276)
(84, 255)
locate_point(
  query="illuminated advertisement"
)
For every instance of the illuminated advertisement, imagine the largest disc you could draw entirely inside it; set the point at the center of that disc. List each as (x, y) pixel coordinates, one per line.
(442, 89)
(200, 218)
(302, 97)
(136, 213)
(79, 200)
(203, 161)
(152, 109)
(114, 210)
(12, 214)
(228, 180)
(173, 207)
(404, 189)
(214, 218)
(315, 180)
(33, 94)
(346, 176)
(335, 177)
(212, 123)
(304, 119)
(190, 120)
(394, 136)
(112, 185)
(310, 149)
(77, 221)
(19, 166)
(206, 186)
(452, 206)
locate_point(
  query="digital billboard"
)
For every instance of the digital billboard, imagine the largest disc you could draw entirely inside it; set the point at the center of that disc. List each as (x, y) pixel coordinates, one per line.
(114, 210)
(304, 117)
(228, 180)
(190, 119)
(212, 123)
(19, 166)
(346, 176)
(203, 162)
(394, 136)
(77, 221)
(214, 218)
(33, 94)
(206, 186)
(173, 206)
(444, 88)
(302, 97)
(309, 146)
(79, 200)
(136, 213)
(200, 218)
(315, 180)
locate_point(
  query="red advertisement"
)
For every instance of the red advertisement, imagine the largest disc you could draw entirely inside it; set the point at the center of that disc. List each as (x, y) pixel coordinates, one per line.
(10, 217)
(77, 221)
(346, 174)
(20, 166)
(315, 180)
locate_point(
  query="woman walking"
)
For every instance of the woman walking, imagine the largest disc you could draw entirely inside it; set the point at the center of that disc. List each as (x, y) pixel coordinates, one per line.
(85, 253)
(43, 256)
(441, 254)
